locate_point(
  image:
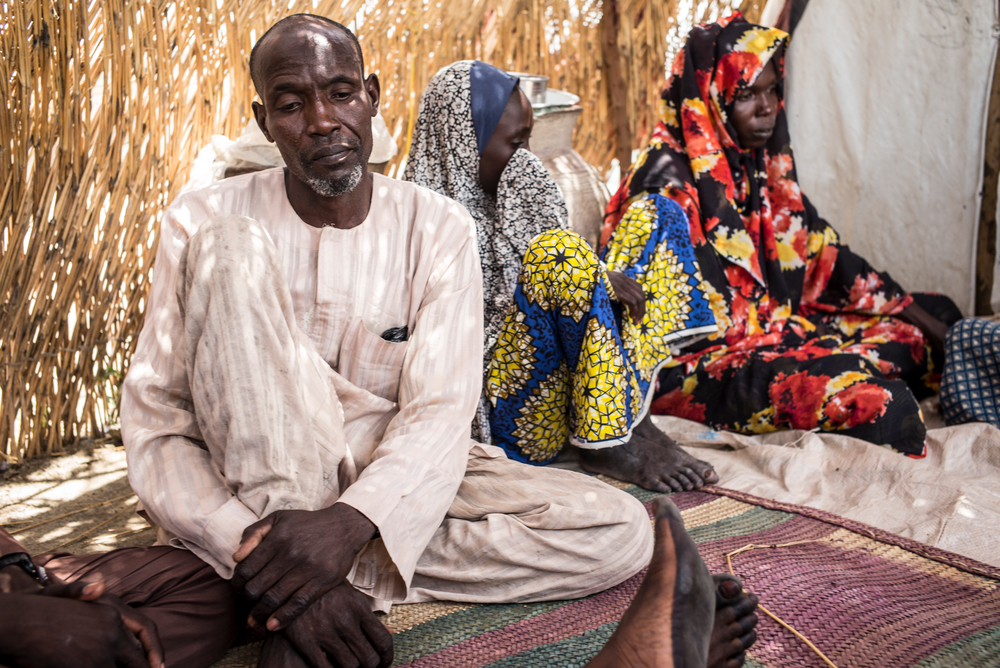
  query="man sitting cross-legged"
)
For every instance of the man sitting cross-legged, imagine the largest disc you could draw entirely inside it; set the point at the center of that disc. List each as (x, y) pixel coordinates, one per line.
(297, 412)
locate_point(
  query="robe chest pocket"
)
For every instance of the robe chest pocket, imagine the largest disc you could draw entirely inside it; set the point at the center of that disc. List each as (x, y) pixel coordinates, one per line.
(370, 362)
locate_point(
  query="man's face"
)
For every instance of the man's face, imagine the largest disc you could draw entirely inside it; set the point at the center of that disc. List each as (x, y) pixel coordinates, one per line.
(755, 110)
(317, 106)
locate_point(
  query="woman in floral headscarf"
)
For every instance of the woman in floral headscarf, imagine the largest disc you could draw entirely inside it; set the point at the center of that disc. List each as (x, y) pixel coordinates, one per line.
(564, 361)
(810, 336)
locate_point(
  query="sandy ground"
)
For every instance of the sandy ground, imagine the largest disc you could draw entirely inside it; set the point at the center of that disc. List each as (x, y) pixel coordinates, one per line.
(77, 502)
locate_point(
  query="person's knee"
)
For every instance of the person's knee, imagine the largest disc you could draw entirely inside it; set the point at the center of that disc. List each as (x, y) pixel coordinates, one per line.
(558, 246)
(633, 533)
(559, 268)
(237, 246)
(965, 333)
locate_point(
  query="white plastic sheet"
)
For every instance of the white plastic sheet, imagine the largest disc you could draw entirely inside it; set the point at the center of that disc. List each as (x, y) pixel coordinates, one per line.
(950, 499)
(887, 105)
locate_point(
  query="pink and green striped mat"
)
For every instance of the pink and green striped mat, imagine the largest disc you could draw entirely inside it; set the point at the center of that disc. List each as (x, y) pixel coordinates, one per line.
(862, 596)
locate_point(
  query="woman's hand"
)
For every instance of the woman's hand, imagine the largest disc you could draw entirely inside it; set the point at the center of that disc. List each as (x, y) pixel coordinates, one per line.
(629, 293)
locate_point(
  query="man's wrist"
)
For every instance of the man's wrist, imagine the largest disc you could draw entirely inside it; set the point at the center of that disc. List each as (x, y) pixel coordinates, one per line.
(23, 561)
(361, 529)
(15, 581)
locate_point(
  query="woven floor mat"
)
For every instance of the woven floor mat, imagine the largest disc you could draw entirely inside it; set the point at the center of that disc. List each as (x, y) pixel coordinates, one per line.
(862, 596)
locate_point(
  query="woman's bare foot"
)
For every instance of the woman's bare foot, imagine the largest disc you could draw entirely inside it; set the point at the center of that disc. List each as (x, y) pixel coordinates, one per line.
(670, 620)
(733, 631)
(651, 459)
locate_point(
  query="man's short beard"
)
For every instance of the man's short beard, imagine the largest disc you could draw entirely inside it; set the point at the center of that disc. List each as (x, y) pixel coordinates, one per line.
(335, 187)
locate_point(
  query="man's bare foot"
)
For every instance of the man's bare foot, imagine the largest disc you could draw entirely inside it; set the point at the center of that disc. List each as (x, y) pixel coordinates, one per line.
(651, 459)
(670, 621)
(733, 631)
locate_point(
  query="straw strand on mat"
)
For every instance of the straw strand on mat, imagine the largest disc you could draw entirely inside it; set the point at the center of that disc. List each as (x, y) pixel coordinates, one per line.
(760, 606)
(84, 534)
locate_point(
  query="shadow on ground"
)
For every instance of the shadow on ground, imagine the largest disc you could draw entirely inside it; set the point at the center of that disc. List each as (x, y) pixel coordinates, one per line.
(77, 502)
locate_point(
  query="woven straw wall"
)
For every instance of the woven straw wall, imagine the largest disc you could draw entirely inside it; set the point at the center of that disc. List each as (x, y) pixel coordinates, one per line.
(108, 103)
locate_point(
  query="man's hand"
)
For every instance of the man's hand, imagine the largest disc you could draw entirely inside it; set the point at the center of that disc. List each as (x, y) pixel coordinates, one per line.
(291, 558)
(13, 580)
(59, 626)
(141, 626)
(629, 293)
(341, 630)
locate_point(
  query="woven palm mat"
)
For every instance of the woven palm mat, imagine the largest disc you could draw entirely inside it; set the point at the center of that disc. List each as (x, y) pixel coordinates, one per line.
(863, 596)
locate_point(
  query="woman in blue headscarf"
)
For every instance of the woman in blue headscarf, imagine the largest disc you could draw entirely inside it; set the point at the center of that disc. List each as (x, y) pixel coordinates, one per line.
(571, 347)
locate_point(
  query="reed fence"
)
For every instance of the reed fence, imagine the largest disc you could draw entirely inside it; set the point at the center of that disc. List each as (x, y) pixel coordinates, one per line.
(107, 102)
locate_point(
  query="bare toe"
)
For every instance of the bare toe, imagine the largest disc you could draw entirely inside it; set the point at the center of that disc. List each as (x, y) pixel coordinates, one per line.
(675, 482)
(735, 620)
(696, 480)
(666, 510)
(684, 481)
(708, 473)
(727, 589)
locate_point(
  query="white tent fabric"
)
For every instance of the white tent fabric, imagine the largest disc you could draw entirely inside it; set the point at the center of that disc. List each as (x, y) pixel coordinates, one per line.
(887, 105)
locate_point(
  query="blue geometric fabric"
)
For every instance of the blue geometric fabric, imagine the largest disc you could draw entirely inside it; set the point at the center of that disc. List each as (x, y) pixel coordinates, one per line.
(570, 365)
(970, 386)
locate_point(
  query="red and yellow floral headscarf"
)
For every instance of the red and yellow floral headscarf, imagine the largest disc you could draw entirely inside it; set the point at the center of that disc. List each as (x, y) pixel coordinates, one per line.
(762, 248)
(694, 154)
